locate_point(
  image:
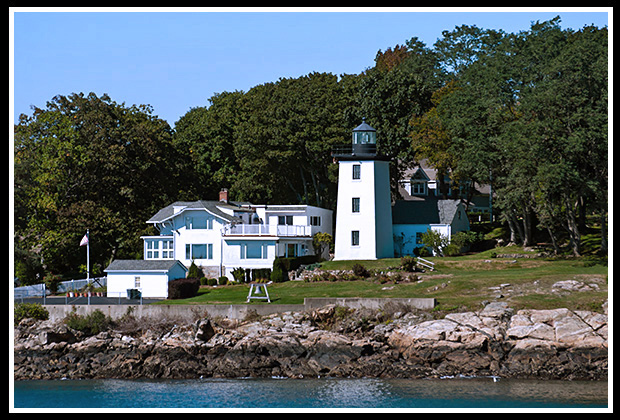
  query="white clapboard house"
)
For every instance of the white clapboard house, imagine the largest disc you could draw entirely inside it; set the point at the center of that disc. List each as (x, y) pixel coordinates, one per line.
(218, 236)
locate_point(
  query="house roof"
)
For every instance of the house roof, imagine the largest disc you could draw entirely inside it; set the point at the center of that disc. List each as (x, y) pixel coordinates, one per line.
(143, 265)
(210, 206)
(424, 212)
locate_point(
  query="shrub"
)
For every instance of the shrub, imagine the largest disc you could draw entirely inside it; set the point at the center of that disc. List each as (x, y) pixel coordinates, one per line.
(222, 280)
(422, 252)
(466, 239)
(279, 274)
(183, 288)
(359, 270)
(194, 271)
(52, 281)
(435, 240)
(259, 274)
(90, 324)
(30, 310)
(211, 282)
(408, 263)
(238, 274)
(451, 250)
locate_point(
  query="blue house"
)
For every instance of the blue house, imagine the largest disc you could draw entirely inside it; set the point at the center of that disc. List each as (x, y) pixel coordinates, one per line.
(410, 219)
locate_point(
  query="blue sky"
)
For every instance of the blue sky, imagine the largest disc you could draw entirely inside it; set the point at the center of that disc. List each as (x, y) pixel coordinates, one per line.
(175, 60)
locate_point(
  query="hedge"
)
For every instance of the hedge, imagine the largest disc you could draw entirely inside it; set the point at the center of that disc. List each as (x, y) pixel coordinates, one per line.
(183, 288)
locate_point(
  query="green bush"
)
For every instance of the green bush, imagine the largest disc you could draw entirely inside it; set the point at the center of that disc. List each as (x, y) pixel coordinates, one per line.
(194, 271)
(238, 274)
(29, 310)
(90, 324)
(52, 281)
(408, 263)
(211, 282)
(451, 250)
(279, 274)
(183, 288)
(261, 274)
(360, 270)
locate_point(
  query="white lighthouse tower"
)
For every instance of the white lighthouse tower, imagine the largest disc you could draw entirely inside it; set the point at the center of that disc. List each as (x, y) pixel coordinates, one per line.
(364, 208)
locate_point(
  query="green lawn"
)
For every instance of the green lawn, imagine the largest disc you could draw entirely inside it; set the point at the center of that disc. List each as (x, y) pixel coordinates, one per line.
(459, 283)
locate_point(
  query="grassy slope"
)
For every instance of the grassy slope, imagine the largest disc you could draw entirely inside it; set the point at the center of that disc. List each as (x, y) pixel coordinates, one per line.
(459, 283)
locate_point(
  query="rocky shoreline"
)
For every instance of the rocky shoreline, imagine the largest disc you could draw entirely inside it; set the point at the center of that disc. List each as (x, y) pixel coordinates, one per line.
(330, 341)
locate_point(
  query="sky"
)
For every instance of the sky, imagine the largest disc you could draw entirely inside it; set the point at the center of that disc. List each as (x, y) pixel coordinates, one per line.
(176, 59)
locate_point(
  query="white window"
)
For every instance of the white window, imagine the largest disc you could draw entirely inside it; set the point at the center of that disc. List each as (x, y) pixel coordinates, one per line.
(355, 237)
(357, 171)
(199, 251)
(136, 282)
(152, 249)
(253, 251)
(315, 220)
(198, 223)
(356, 205)
(167, 249)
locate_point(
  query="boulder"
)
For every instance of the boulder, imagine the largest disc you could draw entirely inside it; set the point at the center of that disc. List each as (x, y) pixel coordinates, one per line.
(204, 330)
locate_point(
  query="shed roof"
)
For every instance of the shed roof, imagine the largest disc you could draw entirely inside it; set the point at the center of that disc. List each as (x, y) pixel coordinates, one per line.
(143, 265)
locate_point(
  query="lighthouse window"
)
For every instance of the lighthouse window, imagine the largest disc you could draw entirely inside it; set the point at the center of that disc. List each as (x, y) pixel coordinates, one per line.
(355, 237)
(357, 171)
(356, 205)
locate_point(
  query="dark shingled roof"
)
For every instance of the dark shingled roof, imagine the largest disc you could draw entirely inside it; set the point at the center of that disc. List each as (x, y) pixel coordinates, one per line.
(424, 212)
(142, 265)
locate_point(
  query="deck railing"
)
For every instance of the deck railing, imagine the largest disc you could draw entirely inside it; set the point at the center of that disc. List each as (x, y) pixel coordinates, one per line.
(267, 230)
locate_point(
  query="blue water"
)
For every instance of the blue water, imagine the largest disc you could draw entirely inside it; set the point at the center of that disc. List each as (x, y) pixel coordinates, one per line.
(310, 393)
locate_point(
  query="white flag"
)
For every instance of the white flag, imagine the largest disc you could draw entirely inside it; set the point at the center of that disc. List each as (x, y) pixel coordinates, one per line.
(84, 240)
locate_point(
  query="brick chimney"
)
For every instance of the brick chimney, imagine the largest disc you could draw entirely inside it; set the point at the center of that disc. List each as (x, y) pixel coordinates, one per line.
(224, 195)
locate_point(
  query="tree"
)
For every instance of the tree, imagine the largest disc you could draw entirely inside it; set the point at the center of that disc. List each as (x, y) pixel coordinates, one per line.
(320, 241)
(435, 241)
(207, 136)
(563, 105)
(284, 141)
(398, 87)
(526, 112)
(88, 162)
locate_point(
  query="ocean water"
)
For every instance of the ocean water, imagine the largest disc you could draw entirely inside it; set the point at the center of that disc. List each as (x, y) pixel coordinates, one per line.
(250, 393)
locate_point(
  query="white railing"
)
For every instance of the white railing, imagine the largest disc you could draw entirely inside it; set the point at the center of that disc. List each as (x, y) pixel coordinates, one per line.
(267, 230)
(65, 286)
(426, 263)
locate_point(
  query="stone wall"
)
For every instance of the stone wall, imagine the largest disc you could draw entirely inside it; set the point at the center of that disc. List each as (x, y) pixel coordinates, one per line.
(58, 312)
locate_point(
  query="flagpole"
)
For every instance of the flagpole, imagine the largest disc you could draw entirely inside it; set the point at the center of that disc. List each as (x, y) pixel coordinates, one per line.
(88, 256)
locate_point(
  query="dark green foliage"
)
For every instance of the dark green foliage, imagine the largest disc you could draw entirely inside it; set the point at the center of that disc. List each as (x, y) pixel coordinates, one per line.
(91, 324)
(408, 263)
(360, 271)
(279, 273)
(526, 113)
(183, 288)
(29, 310)
(194, 271)
(239, 274)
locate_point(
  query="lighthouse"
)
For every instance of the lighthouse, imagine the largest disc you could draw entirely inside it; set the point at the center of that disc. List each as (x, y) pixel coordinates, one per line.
(364, 209)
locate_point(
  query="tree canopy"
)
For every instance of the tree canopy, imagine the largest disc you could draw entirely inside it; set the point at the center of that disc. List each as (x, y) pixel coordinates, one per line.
(524, 112)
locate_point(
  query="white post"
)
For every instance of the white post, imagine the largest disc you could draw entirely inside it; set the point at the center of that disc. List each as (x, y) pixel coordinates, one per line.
(88, 256)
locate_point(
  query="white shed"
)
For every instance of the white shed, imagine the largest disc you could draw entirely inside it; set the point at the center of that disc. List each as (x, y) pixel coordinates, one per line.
(150, 277)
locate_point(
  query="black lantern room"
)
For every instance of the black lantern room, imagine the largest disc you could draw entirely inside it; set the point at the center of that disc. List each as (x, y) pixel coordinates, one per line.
(364, 134)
